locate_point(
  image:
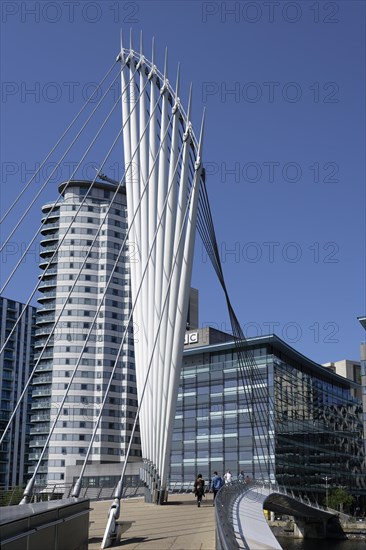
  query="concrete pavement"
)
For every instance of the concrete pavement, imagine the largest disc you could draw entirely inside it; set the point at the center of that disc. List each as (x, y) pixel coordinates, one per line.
(177, 525)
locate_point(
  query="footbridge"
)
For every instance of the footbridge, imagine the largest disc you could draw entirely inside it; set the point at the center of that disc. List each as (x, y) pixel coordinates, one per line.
(240, 521)
(167, 203)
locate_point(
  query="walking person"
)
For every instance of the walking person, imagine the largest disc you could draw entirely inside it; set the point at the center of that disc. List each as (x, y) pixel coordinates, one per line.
(216, 484)
(199, 489)
(228, 477)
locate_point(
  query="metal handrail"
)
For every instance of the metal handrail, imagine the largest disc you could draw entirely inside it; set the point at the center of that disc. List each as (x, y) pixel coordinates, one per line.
(224, 505)
(226, 536)
(54, 491)
(226, 499)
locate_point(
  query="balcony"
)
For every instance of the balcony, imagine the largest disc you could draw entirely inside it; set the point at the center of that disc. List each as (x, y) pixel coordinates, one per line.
(41, 404)
(40, 418)
(48, 227)
(46, 284)
(42, 367)
(40, 430)
(37, 456)
(41, 343)
(50, 240)
(48, 296)
(47, 307)
(50, 271)
(38, 442)
(45, 355)
(42, 393)
(51, 211)
(41, 470)
(42, 379)
(48, 251)
(44, 264)
(44, 331)
(44, 319)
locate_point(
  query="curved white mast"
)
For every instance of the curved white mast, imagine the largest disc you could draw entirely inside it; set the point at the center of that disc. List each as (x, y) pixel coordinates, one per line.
(162, 200)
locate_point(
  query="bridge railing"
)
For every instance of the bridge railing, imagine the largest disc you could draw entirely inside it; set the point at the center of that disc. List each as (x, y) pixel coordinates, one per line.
(226, 536)
(303, 499)
(180, 487)
(13, 496)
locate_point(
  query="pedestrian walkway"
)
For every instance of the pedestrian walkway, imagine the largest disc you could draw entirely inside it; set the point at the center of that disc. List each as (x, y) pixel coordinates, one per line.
(177, 525)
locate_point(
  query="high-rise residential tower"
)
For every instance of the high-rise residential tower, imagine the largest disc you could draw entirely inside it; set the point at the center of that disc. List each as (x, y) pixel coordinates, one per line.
(16, 362)
(87, 227)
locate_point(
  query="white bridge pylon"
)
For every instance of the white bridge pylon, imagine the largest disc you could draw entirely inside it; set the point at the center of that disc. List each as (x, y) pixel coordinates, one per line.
(163, 170)
(163, 174)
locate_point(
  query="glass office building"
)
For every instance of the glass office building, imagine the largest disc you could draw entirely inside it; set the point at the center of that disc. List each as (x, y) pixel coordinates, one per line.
(308, 425)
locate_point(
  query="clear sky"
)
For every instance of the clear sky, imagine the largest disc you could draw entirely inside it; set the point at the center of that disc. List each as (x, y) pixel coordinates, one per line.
(283, 84)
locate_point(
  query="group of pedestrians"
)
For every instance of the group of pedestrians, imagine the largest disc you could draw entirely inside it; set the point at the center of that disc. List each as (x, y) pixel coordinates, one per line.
(216, 483)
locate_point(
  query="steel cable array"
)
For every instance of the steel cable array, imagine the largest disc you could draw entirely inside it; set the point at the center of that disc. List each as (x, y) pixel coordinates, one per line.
(262, 424)
(186, 168)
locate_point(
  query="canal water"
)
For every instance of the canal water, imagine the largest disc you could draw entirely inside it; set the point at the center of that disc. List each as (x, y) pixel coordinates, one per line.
(312, 544)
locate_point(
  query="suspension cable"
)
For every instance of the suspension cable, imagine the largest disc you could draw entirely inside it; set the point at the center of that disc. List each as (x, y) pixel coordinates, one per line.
(78, 483)
(31, 482)
(58, 142)
(119, 489)
(67, 231)
(74, 283)
(55, 169)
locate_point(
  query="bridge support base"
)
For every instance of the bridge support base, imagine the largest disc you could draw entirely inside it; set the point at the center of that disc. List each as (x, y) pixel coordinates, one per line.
(309, 529)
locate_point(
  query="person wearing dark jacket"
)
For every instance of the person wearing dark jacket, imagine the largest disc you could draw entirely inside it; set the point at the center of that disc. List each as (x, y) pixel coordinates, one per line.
(199, 489)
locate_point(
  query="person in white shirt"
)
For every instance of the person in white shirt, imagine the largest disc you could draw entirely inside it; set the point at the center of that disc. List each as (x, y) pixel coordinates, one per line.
(227, 477)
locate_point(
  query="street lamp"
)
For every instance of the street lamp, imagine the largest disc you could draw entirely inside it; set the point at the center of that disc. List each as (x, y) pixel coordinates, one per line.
(326, 478)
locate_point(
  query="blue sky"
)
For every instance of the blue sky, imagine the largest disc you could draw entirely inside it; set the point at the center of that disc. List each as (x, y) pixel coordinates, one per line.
(283, 84)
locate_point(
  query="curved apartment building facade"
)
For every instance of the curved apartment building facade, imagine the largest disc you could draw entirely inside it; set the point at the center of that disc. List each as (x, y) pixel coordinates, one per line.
(82, 236)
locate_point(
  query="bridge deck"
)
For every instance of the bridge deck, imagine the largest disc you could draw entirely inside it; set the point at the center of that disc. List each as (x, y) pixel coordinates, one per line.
(177, 525)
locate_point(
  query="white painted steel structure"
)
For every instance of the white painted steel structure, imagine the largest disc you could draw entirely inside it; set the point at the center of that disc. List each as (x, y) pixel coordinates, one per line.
(163, 172)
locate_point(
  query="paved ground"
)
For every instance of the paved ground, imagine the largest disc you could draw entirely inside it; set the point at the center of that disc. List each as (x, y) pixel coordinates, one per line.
(177, 525)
